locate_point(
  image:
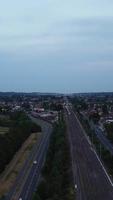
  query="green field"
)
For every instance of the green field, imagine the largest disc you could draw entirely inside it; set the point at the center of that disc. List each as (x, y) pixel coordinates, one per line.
(3, 130)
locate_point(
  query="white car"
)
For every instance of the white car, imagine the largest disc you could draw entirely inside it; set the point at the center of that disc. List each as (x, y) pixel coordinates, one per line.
(35, 162)
(75, 186)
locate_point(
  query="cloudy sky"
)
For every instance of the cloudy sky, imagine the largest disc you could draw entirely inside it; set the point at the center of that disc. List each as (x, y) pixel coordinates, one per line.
(56, 45)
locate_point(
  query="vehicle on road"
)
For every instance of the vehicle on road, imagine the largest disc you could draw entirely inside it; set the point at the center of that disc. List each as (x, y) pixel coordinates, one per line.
(75, 186)
(34, 162)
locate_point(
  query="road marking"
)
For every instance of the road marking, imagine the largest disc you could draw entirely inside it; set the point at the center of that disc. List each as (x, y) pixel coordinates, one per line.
(35, 170)
(67, 110)
(104, 169)
(91, 148)
(107, 175)
(82, 129)
(33, 154)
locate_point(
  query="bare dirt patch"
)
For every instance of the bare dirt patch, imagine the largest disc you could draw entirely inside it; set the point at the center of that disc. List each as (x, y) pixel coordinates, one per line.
(8, 177)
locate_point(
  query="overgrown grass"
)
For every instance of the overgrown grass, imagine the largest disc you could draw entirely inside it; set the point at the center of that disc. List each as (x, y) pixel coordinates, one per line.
(3, 130)
(20, 128)
(57, 181)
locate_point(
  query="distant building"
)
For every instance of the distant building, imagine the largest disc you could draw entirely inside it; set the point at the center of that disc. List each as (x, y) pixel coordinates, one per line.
(39, 110)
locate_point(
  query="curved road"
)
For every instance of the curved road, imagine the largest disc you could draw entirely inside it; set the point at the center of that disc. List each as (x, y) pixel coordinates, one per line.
(29, 175)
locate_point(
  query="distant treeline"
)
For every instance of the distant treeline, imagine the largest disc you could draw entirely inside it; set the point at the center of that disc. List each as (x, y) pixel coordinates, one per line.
(20, 129)
(57, 181)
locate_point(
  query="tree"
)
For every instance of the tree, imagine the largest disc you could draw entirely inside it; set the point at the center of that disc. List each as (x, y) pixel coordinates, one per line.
(105, 109)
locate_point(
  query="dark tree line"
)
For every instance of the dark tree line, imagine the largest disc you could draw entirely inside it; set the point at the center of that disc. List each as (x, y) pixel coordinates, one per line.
(56, 176)
(109, 130)
(20, 129)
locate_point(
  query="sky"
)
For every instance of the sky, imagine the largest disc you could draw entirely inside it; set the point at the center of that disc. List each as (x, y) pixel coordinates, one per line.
(56, 45)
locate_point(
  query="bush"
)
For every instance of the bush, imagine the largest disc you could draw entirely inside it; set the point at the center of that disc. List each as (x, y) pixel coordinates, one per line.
(56, 173)
(20, 130)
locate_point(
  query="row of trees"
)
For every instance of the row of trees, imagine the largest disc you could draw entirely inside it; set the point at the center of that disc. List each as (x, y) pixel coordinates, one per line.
(20, 128)
(109, 130)
(56, 176)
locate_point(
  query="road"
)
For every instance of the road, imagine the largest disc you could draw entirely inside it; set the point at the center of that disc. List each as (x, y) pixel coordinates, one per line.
(29, 175)
(102, 138)
(100, 135)
(90, 177)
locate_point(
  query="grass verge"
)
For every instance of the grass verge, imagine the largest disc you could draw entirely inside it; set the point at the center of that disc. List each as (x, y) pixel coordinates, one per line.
(56, 182)
(9, 175)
